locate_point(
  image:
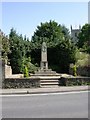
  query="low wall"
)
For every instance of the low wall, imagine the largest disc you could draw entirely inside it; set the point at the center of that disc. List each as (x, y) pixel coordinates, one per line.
(8, 71)
(21, 82)
(82, 71)
(35, 82)
(74, 81)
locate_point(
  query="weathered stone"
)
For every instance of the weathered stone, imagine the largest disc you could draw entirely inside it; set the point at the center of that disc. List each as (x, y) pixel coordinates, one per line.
(74, 81)
(44, 63)
(44, 71)
(47, 77)
(7, 71)
(21, 82)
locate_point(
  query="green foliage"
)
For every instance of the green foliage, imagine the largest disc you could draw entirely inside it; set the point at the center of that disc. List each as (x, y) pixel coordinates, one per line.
(20, 49)
(50, 32)
(27, 62)
(33, 68)
(5, 47)
(82, 64)
(75, 70)
(84, 38)
(59, 56)
(61, 51)
(66, 32)
(82, 59)
(63, 55)
(26, 72)
(16, 49)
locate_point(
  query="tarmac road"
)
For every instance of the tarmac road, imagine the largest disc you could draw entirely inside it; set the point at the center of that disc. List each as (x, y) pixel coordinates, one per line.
(54, 105)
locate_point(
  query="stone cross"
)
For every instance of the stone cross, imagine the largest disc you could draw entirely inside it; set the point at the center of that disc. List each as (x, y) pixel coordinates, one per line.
(44, 63)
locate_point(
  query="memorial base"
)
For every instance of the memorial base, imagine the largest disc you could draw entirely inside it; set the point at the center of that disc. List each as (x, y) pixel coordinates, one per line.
(48, 78)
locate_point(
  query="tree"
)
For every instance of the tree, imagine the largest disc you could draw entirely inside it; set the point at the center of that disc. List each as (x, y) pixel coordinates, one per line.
(50, 32)
(26, 64)
(82, 59)
(84, 38)
(17, 51)
(66, 32)
(60, 56)
(61, 51)
(20, 59)
(5, 49)
(26, 72)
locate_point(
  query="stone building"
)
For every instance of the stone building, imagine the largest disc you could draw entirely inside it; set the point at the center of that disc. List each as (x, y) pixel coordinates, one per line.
(74, 33)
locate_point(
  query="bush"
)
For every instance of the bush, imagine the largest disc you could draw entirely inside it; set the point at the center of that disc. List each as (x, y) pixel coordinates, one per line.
(26, 73)
(74, 70)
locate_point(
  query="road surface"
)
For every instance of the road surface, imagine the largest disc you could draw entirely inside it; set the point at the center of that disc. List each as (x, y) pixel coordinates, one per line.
(54, 105)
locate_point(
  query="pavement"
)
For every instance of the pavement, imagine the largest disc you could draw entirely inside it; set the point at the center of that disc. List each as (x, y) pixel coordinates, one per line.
(44, 90)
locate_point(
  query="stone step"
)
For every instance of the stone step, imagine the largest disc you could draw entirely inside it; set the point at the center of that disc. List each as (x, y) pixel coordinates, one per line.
(45, 71)
(49, 83)
(42, 75)
(46, 80)
(48, 86)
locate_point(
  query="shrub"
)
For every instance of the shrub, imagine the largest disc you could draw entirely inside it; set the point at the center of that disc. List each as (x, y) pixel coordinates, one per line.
(26, 73)
(74, 70)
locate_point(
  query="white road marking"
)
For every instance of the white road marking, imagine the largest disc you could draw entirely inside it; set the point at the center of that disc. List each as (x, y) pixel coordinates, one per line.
(43, 94)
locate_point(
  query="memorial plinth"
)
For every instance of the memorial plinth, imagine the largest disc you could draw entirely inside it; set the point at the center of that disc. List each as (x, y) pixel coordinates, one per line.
(44, 63)
(48, 78)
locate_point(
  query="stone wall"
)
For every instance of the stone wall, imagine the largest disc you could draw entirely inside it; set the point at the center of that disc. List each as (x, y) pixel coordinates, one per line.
(74, 81)
(82, 71)
(3, 69)
(35, 82)
(21, 83)
(8, 71)
(2, 76)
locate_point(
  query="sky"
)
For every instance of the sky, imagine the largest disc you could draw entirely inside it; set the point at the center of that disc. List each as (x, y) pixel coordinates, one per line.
(89, 12)
(24, 17)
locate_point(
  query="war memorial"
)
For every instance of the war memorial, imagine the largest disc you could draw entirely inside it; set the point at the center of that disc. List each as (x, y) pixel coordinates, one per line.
(47, 76)
(43, 77)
